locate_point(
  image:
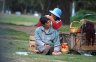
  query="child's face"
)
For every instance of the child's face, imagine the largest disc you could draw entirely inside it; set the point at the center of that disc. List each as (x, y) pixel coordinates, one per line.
(48, 24)
(54, 17)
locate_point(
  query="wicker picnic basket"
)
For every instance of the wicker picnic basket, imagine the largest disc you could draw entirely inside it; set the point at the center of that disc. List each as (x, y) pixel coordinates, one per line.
(75, 29)
(32, 46)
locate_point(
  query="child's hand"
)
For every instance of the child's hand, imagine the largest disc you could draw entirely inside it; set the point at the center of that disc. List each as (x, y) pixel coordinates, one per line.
(50, 17)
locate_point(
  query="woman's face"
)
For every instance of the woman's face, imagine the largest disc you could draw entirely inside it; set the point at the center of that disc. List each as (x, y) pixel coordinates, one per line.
(48, 24)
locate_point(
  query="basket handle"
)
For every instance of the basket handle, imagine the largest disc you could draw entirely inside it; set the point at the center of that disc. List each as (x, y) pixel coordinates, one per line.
(73, 22)
(71, 25)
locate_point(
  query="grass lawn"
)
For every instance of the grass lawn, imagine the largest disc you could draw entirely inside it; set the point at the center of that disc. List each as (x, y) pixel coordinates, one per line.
(27, 20)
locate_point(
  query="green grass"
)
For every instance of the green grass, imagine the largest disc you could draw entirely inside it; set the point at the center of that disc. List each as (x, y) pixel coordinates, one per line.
(64, 28)
(13, 34)
(62, 58)
(19, 20)
(75, 24)
(12, 41)
(17, 41)
(84, 14)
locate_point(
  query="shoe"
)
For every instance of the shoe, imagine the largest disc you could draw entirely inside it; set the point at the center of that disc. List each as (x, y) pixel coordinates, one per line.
(56, 53)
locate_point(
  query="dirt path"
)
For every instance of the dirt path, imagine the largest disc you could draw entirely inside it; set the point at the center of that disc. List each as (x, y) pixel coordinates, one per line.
(27, 29)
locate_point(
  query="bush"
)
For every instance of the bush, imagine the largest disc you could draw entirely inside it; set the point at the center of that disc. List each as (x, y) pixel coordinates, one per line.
(84, 14)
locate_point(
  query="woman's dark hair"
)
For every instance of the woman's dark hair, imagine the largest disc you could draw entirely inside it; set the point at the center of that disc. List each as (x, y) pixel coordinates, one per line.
(44, 20)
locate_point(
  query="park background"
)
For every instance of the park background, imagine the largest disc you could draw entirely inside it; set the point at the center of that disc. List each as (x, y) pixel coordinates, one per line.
(17, 21)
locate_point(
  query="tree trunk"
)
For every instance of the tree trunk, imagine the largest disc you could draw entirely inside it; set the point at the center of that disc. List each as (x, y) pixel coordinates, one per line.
(49, 5)
(66, 11)
(3, 6)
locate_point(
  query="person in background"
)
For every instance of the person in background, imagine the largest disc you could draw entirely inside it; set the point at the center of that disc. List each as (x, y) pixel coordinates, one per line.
(54, 18)
(47, 38)
(89, 30)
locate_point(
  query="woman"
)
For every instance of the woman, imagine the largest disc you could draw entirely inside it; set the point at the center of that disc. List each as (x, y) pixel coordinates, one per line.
(46, 38)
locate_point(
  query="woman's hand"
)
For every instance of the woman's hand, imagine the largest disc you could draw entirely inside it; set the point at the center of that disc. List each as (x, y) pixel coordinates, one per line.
(48, 46)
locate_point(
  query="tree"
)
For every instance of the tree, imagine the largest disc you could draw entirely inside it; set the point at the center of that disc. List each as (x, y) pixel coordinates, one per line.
(86, 4)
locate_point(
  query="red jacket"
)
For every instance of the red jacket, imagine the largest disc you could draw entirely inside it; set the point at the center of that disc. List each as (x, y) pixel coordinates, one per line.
(55, 24)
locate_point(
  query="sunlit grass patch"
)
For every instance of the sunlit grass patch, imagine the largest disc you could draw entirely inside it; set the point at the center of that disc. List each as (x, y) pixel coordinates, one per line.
(19, 20)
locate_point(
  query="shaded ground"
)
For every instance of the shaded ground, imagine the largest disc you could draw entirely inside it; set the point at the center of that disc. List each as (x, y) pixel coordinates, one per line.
(4, 53)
